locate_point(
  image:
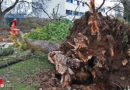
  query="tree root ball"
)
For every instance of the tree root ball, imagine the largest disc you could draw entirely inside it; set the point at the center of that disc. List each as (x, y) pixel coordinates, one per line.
(91, 56)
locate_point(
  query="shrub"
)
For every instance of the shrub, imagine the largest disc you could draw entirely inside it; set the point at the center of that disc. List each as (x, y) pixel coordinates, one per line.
(53, 31)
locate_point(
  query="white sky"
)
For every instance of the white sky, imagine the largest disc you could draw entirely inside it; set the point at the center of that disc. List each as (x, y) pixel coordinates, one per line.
(107, 3)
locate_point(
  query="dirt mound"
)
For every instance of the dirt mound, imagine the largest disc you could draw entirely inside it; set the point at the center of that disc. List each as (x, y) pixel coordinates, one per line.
(48, 80)
(95, 53)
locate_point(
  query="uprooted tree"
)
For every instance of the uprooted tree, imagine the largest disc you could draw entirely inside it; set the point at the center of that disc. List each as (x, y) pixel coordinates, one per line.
(95, 51)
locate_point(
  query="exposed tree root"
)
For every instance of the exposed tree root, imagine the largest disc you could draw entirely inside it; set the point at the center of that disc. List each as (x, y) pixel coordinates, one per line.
(89, 57)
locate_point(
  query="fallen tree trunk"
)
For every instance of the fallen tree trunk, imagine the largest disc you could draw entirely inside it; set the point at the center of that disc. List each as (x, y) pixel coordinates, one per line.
(42, 45)
(96, 52)
(12, 59)
(6, 51)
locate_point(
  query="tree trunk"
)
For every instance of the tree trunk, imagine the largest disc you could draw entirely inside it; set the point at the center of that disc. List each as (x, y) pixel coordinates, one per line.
(15, 58)
(1, 20)
(126, 9)
(125, 12)
(41, 45)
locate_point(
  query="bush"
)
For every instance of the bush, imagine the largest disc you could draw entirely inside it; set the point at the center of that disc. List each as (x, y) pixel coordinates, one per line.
(53, 31)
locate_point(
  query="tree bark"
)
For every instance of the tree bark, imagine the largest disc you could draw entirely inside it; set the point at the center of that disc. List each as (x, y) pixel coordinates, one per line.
(126, 5)
(41, 45)
(125, 10)
(15, 58)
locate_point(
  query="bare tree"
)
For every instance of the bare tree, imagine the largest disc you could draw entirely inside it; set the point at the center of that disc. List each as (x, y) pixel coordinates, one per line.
(54, 14)
(3, 12)
(76, 10)
(115, 7)
(22, 7)
(126, 7)
(39, 6)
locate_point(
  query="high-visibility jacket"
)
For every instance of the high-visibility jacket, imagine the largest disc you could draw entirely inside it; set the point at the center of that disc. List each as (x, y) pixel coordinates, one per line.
(13, 23)
(13, 27)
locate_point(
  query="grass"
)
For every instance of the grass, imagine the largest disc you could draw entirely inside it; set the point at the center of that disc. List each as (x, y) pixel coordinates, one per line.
(19, 74)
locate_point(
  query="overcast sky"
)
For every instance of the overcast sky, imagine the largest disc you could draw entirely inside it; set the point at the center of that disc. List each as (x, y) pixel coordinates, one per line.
(107, 3)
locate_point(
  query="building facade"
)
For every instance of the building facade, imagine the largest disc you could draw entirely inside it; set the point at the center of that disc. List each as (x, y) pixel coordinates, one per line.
(75, 8)
(66, 8)
(69, 9)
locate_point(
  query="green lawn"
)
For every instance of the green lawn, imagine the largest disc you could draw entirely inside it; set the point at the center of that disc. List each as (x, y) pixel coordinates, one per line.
(19, 75)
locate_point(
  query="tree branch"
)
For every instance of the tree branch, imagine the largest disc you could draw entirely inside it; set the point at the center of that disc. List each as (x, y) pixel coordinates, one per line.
(11, 7)
(76, 10)
(0, 9)
(0, 6)
(25, 1)
(100, 5)
(57, 9)
(42, 10)
(111, 9)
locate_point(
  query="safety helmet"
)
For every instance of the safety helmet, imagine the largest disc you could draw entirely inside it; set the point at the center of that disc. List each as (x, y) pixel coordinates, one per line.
(15, 19)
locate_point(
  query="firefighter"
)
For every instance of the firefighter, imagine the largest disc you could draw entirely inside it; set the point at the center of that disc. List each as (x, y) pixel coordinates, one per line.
(13, 27)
